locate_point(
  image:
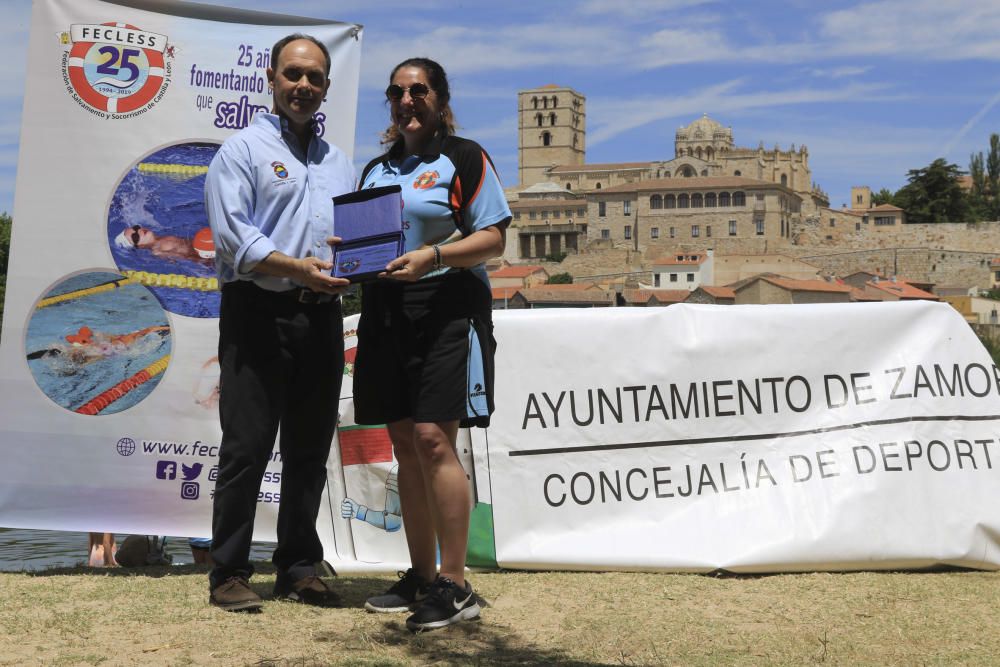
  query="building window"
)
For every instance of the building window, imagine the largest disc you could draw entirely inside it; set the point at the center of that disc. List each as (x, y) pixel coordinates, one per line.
(598, 186)
(545, 215)
(673, 277)
(581, 212)
(538, 118)
(833, 222)
(602, 208)
(546, 139)
(628, 232)
(690, 277)
(656, 202)
(552, 119)
(857, 226)
(732, 228)
(569, 186)
(532, 215)
(627, 207)
(710, 200)
(737, 173)
(656, 280)
(724, 199)
(695, 231)
(759, 224)
(708, 231)
(669, 202)
(534, 102)
(683, 202)
(739, 199)
(673, 233)
(696, 200)
(556, 214)
(760, 196)
(784, 180)
(654, 232)
(605, 233)
(886, 220)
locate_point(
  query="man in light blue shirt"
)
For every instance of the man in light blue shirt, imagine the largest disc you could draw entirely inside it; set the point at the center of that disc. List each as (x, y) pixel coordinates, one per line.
(269, 194)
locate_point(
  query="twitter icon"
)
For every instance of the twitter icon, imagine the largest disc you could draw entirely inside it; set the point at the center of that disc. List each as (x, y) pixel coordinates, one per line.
(191, 472)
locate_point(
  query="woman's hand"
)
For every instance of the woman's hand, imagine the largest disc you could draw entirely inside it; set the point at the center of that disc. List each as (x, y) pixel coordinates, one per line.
(410, 267)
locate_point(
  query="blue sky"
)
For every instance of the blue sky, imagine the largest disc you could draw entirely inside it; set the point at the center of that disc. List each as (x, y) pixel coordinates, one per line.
(872, 88)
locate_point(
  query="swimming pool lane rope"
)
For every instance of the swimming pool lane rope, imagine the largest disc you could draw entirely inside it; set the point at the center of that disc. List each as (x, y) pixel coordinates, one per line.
(86, 291)
(105, 398)
(179, 169)
(196, 283)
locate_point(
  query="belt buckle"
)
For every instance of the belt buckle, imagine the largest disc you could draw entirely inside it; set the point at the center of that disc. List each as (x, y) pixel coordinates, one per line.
(306, 296)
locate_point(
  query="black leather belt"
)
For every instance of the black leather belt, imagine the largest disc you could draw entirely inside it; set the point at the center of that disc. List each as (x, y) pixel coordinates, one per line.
(306, 295)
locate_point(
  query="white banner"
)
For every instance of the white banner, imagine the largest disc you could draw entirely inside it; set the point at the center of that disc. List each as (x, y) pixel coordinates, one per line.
(749, 438)
(108, 368)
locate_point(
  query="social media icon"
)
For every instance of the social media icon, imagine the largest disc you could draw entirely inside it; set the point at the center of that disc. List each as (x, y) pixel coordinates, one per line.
(192, 471)
(190, 490)
(166, 470)
(213, 474)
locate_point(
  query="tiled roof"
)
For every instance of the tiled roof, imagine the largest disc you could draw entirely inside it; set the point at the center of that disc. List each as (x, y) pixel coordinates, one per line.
(805, 285)
(720, 292)
(902, 289)
(662, 295)
(606, 166)
(516, 271)
(693, 183)
(545, 295)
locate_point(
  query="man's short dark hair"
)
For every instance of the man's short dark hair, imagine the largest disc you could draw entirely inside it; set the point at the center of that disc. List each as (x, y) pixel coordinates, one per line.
(284, 41)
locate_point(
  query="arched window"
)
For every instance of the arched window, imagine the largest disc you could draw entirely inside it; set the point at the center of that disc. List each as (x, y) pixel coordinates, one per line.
(739, 199)
(546, 139)
(569, 186)
(545, 103)
(598, 186)
(704, 172)
(696, 200)
(698, 152)
(723, 199)
(552, 119)
(687, 171)
(690, 152)
(710, 200)
(683, 201)
(655, 201)
(669, 201)
(555, 101)
(784, 179)
(737, 173)
(534, 102)
(538, 118)
(709, 154)
(575, 140)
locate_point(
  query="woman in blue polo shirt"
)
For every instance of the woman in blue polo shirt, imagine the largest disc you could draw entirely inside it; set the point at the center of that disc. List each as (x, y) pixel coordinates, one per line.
(425, 346)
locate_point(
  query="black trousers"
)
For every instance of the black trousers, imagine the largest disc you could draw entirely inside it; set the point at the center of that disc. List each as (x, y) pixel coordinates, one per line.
(282, 363)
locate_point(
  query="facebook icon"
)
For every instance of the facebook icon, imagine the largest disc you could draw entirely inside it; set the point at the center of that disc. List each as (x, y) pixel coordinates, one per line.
(166, 470)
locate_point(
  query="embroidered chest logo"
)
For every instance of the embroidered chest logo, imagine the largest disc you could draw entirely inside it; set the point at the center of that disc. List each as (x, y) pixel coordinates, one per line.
(279, 170)
(426, 180)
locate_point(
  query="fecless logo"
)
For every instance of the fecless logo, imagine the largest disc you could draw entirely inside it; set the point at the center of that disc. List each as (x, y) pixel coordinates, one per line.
(115, 70)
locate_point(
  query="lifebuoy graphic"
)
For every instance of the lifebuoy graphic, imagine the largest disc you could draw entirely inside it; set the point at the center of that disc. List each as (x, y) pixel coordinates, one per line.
(114, 77)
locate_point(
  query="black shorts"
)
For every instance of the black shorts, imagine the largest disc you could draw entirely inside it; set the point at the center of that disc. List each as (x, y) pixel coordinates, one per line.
(425, 352)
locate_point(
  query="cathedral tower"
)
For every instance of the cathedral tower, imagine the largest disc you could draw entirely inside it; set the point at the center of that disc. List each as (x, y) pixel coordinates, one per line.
(552, 131)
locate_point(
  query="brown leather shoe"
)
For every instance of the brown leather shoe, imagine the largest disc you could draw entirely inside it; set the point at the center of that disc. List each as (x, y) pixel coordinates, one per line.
(235, 594)
(308, 590)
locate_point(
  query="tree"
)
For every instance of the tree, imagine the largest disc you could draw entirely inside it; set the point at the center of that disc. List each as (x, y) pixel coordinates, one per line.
(934, 194)
(978, 196)
(993, 178)
(883, 196)
(559, 279)
(5, 223)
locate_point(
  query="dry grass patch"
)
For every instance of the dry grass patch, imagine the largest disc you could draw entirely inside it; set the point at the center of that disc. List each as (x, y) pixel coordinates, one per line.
(161, 617)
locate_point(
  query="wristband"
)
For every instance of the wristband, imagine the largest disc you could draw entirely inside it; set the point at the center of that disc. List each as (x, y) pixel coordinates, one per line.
(437, 256)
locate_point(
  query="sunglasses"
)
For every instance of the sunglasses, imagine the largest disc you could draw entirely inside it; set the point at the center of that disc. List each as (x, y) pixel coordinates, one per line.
(418, 91)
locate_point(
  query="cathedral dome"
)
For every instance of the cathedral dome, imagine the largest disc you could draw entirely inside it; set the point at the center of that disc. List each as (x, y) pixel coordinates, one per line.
(705, 127)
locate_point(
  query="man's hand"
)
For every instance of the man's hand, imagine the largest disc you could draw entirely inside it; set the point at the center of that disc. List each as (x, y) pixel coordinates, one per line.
(311, 272)
(410, 267)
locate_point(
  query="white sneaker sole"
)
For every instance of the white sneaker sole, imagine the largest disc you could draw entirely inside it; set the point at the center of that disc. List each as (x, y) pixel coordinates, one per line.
(467, 614)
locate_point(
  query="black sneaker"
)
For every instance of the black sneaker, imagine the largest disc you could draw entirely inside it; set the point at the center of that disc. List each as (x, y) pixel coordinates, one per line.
(405, 595)
(446, 603)
(309, 590)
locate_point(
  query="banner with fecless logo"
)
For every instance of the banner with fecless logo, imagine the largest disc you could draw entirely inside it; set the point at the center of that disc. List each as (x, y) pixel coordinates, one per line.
(745, 438)
(108, 368)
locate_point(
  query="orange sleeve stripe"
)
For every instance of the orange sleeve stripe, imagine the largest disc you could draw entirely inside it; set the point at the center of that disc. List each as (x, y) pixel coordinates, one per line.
(482, 179)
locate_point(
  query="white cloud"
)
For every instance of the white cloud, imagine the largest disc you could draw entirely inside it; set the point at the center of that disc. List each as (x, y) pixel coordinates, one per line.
(838, 72)
(636, 8)
(610, 118)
